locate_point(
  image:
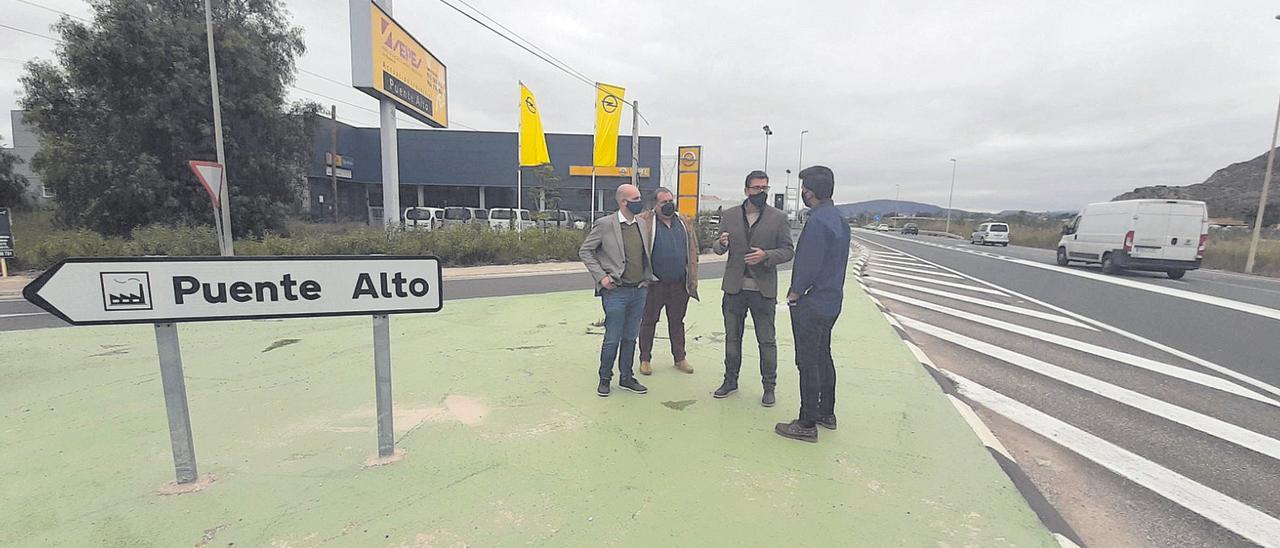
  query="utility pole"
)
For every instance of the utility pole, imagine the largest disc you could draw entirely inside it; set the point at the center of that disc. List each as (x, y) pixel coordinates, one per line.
(390, 152)
(951, 195)
(333, 159)
(227, 248)
(635, 143)
(1262, 200)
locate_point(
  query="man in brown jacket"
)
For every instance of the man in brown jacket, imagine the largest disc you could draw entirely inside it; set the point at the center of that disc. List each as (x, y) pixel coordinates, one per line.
(675, 265)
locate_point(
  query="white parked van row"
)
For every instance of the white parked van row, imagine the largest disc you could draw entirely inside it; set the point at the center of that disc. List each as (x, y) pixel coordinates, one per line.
(1153, 235)
(501, 218)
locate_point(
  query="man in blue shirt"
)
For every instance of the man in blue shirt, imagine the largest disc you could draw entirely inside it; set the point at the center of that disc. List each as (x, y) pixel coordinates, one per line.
(816, 295)
(675, 265)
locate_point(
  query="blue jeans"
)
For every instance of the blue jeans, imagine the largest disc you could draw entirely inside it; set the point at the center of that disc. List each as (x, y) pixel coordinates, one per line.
(623, 308)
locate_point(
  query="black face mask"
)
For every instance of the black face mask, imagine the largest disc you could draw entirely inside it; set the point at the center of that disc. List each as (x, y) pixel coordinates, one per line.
(758, 200)
(668, 209)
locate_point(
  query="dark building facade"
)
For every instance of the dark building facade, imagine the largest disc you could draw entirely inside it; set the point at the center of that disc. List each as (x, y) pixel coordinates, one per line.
(441, 168)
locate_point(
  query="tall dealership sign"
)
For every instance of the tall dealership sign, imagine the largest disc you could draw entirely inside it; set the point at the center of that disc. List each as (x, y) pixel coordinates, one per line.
(388, 63)
(689, 180)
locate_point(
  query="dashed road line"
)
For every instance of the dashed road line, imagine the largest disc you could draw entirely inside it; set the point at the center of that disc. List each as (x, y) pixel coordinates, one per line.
(940, 282)
(990, 304)
(1242, 437)
(1140, 362)
(1228, 512)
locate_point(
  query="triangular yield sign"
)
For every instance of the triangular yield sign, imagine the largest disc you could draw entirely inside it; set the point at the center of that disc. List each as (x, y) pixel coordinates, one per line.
(210, 175)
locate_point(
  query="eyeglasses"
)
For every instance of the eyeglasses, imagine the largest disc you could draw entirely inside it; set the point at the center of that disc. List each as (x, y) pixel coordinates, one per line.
(758, 189)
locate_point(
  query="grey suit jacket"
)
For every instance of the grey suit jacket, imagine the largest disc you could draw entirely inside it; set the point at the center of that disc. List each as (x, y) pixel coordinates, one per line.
(602, 251)
(772, 233)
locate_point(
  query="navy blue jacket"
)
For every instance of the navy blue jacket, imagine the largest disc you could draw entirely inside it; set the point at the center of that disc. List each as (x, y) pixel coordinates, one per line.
(822, 257)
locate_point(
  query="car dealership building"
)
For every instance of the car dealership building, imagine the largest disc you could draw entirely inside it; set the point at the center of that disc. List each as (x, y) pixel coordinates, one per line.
(441, 168)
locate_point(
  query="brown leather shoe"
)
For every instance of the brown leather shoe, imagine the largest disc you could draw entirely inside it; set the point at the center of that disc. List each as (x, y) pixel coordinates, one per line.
(645, 369)
(683, 365)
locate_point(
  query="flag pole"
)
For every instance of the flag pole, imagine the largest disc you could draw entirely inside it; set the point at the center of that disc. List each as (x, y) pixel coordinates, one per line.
(519, 172)
(595, 133)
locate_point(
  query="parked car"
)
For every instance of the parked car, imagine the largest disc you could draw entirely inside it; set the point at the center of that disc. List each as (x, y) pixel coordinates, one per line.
(501, 218)
(555, 218)
(911, 228)
(990, 233)
(423, 218)
(882, 228)
(1154, 235)
(479, 216)
(457, 216)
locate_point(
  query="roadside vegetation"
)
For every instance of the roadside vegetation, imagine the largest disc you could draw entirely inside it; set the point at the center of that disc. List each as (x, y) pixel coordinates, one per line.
(39, 245)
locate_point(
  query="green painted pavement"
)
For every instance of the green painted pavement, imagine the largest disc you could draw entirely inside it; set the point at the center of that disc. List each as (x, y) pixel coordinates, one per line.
(506, 442)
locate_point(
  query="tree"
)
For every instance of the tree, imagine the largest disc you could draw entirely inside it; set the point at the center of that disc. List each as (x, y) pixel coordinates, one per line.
(127, 104)
(13, 186)
(547, 192)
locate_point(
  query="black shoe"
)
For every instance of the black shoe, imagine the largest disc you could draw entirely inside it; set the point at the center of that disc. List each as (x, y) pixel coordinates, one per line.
(828, 422)
(603, 389)
(632, 385)
(725, 389)
(768, 400)
(794, 430)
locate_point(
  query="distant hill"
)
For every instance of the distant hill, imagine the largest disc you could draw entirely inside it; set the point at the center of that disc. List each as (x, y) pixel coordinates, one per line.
(1231, 192)
(884, 207)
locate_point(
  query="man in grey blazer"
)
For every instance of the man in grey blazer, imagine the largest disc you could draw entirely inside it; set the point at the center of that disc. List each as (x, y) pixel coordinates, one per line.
(618, 254)
(757, 238)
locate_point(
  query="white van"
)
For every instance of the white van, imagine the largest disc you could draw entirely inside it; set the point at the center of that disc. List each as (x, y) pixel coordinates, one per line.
(423, 218)
(1155, 235)
(454, 216)
(990, 233)
(500, 218)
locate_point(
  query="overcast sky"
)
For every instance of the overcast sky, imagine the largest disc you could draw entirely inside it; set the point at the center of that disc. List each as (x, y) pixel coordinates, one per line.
(1045, 104)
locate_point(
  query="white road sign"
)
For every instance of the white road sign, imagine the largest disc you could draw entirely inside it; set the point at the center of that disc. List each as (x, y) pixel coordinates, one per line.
(90, 291)
(210, 175)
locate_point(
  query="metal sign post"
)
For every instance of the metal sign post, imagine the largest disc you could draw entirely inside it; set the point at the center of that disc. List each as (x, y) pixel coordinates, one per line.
(175, 402)
(165, 290)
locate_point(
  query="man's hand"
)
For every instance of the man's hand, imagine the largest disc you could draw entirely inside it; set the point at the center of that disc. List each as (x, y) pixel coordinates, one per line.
(608, 283)
(792, 296)
(756, 256)
(724, 239)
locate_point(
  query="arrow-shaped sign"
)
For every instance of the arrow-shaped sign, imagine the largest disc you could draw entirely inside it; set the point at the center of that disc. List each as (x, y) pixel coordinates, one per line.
(91, 291)
(210, 175)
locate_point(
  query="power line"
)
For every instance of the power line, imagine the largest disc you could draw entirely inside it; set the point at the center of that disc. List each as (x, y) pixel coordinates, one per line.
(24, 31)
(571, 72)
(47, 8)
(526, 40)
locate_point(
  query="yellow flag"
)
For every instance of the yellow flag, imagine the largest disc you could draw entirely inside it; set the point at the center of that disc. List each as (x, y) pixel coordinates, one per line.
(608, 117)
(533, 142)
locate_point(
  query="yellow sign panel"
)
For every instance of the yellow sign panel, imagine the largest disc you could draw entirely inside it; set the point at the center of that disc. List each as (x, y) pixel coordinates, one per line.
(387, 62)
(689, 179)
(608, 118)
(606, 171)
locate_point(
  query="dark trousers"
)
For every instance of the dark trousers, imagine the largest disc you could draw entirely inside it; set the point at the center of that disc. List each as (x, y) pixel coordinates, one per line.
(622, 309)
(812, 334)
(735, 307)
(674, 296)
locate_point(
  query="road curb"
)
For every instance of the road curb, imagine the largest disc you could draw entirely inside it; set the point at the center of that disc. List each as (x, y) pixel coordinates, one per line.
(1044, 510)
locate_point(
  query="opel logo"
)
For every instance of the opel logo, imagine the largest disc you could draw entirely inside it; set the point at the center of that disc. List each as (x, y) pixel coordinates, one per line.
(528, 103)
(688, 158)
(609, 103)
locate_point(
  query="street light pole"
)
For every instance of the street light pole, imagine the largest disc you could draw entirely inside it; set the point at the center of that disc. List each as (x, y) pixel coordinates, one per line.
(951, 195)
(799, 168)
(767, 133)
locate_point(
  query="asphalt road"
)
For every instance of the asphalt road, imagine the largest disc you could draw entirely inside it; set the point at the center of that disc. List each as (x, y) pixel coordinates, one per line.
(1145, 409)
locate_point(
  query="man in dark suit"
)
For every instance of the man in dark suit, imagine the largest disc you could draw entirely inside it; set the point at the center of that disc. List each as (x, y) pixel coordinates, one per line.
(757, 238)
(816, 296)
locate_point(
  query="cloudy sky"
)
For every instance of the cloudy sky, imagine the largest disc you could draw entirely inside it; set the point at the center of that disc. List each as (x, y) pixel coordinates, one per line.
(1045, 104)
